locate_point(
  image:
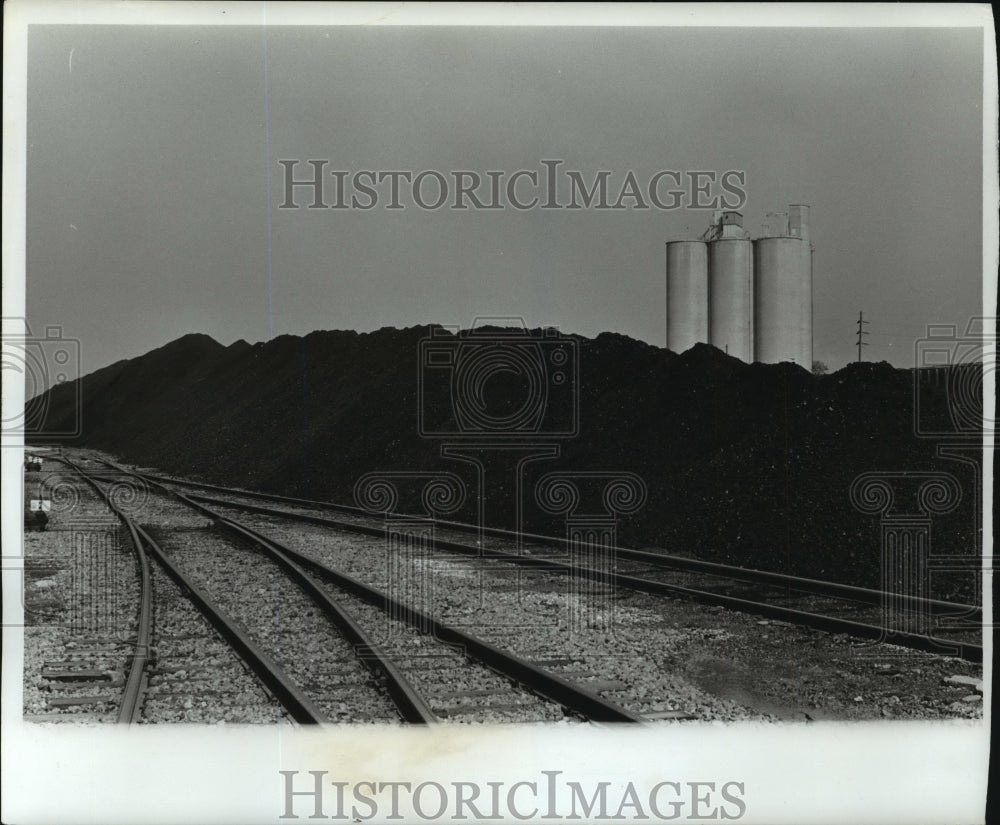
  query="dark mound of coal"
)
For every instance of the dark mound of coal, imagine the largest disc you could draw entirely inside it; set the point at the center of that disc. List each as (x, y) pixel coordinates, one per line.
(751, 464)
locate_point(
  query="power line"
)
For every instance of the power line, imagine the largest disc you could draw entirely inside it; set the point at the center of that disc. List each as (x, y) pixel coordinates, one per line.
(861, 333)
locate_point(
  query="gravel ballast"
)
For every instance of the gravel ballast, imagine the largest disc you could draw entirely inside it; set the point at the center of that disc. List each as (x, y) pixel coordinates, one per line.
(660, 658)
(281, 618)
(667, 654)
(81, 597)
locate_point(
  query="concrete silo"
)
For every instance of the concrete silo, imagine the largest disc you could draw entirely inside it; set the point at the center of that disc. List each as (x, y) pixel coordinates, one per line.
(783, 293)
(730, 290)
(751, 299)
(687, 294)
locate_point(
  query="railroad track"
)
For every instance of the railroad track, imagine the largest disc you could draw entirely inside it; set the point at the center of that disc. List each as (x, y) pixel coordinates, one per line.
(827, 606)
(183, 540)
(462, 676)
(195, 675)
(98, 655)
(166, 675)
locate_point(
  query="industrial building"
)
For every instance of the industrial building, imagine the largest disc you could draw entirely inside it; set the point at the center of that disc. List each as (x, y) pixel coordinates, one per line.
(750, 298)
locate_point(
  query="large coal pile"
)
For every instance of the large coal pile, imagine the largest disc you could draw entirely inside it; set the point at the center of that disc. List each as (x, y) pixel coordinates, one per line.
(750, 464)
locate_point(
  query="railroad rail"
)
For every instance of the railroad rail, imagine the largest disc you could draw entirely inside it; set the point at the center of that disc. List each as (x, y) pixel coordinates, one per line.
(862, 595)
(541, 681)
(833, 624)
(550, 686)
(135, 683)
(301, 708)
(130, 708)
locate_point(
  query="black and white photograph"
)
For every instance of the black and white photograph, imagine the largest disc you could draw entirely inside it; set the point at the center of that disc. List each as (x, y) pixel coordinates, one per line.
(456, 412)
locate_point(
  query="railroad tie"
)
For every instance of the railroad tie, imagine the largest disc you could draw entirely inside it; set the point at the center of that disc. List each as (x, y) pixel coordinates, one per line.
(71, 701)
(78, 676)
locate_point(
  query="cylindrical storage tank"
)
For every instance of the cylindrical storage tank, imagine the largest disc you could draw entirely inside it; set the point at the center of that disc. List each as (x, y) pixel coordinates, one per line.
(687, 295)
(782, 289)
(730, 296)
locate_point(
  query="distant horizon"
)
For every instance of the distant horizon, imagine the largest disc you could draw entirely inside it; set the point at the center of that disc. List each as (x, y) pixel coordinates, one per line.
(830, 370)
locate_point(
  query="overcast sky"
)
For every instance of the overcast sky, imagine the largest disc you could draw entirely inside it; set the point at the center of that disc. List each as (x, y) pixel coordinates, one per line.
(151, 150)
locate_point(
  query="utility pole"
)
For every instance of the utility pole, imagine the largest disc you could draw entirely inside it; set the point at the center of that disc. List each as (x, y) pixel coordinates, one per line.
(861, 332)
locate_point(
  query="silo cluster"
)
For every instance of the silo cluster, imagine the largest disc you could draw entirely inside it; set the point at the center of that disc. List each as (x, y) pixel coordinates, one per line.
(750, 298)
